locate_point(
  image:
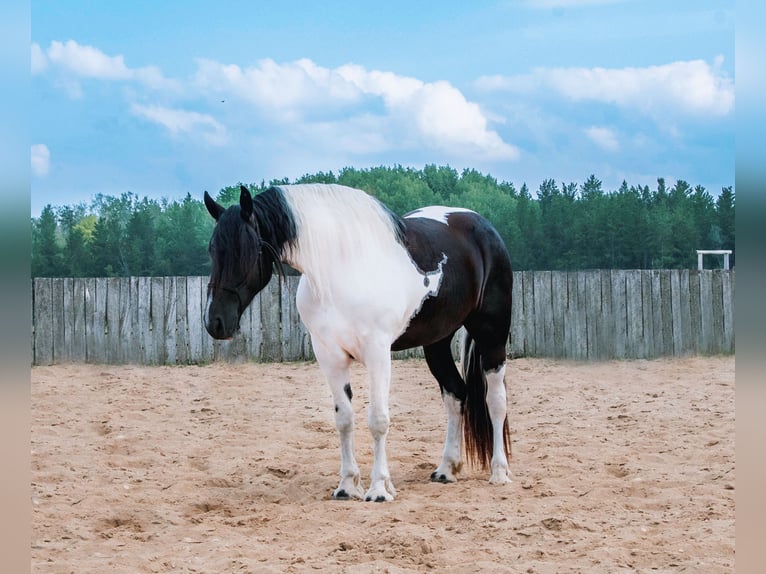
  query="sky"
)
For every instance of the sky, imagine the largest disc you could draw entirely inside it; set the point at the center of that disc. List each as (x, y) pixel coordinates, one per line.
(167, 98)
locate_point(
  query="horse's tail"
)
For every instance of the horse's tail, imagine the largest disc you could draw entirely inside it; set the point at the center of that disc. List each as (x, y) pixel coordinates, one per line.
(477, 426)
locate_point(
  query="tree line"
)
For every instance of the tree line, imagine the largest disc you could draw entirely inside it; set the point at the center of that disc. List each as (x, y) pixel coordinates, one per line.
(563, 226)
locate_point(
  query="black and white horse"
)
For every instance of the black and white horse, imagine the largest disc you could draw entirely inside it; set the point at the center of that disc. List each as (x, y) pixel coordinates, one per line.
(373, 282)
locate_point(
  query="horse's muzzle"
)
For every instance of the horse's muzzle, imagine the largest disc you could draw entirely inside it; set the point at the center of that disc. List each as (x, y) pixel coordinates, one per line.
(220, 328)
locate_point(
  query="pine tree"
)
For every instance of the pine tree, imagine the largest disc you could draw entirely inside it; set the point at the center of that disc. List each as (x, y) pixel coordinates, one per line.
(47, 254)
(725, 219)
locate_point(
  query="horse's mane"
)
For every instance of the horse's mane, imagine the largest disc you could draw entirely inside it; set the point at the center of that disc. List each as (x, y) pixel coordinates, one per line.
(335, 225)
(237, 247)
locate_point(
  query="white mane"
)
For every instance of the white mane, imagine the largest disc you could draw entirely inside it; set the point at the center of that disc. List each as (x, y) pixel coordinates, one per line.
(336, 225)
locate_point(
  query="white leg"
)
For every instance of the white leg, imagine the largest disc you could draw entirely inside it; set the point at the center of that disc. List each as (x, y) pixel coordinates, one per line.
(379, 374)
(452, 461)
(497, 406)
(335, 367)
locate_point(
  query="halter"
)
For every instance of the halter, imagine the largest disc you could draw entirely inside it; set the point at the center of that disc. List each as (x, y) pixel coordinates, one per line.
(235, 290)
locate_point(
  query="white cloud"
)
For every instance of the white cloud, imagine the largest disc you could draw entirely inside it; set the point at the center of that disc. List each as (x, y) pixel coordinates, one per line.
(603, 138)
(408, 112)
(285, 88)
(687, 87)
(179, 122)
(436, 113)
(41, 160)
(87, 62)
(448, 120)
(81, 61)
(395, 90)
(356, 135)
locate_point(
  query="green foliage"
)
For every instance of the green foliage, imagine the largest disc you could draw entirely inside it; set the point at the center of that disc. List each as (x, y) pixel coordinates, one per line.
(725, 219)
(183, 235)
(564, 226)
(141, 238)
(47, 252)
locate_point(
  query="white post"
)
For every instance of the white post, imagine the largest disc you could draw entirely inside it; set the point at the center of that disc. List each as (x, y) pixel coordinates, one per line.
(724, 252)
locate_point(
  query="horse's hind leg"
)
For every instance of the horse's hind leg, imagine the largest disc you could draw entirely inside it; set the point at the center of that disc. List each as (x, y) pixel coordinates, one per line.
(489, 326)
(490, 343)
(497, 407)
(442, 366)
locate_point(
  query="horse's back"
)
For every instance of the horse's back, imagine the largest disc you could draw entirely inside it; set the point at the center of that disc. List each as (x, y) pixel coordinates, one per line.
(413, 289)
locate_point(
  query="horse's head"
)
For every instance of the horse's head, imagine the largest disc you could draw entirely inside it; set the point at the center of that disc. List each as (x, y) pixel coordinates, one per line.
(241, 267)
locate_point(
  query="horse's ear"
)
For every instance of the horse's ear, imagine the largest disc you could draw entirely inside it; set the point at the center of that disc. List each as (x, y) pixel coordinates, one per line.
(213, 208)
(245, 203)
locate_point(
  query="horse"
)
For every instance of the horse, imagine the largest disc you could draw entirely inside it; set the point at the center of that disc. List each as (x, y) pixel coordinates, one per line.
(373, 282)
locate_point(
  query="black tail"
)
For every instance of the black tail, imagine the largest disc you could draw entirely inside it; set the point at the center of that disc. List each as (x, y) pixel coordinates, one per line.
(477, 426)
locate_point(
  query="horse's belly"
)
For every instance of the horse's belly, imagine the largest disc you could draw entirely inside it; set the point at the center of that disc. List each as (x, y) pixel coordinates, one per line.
(370, 305)
(437, 318)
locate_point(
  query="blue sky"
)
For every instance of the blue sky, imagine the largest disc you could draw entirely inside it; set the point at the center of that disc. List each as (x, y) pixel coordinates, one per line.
(165, 98)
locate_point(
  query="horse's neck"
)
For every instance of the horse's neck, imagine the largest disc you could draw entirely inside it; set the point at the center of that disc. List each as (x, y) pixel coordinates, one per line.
(275, 225)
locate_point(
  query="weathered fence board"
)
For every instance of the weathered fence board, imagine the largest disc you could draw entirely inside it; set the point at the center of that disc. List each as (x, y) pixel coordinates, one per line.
(100, 324)
(578, 315)
(684, 327)
(125, 327)
(717, 315)
(695, 311)
(255, 342)
(675, 306)
(182, 328)
(603, 315)
(77, 340)
(656, 323)
(619, 314)
(42, 329)
(634, 314)
(559, 305)
(194, 297)
(156, 320)
(592, 311)
(171, 319)
(144, 300)
(666, 314)
(270, 320)
(57, 316)
(112, 328)
(516, 343)
(706, 302)
(647, 316)
(530, 319)
(727, 290)
(544, 320)
(579, 333)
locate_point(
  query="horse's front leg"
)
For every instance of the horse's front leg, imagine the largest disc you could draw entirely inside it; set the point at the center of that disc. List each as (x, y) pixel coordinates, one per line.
(335, 366)
(379, 375)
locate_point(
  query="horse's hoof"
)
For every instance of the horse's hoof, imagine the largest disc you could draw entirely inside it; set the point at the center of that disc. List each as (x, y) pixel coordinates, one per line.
(441, 477)
(342, 493)
(379, 495)
(500, 475)
(503, 479)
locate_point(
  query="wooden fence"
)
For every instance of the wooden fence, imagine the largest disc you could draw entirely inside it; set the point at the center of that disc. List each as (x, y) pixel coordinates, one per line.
(575, 315)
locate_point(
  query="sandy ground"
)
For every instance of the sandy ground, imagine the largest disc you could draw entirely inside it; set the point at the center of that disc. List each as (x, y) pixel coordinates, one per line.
(617, 467)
